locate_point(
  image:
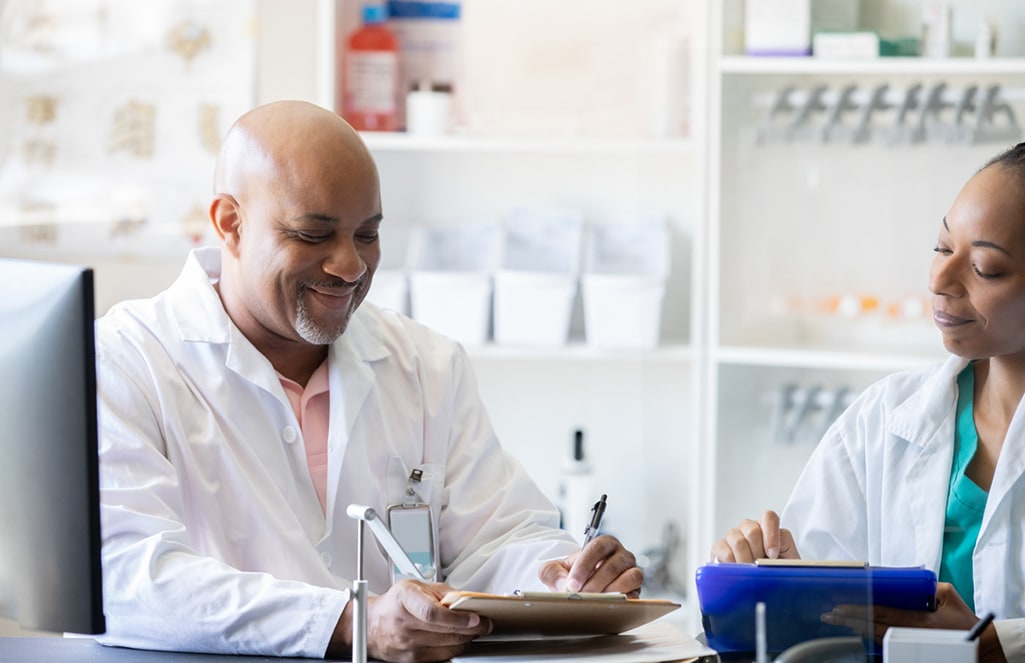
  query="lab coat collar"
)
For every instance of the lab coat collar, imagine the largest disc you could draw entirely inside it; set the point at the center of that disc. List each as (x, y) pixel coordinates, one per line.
(919, 418)
(200, 317)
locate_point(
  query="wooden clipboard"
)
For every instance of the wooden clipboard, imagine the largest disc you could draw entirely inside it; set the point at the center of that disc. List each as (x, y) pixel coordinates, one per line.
(548, 614)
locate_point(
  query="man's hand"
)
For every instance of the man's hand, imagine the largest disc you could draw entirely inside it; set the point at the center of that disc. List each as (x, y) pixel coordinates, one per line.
(603, 565)
(408, 624)
(756, 539)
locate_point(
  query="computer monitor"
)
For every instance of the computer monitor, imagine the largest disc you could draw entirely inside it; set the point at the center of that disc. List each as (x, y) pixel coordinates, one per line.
(50, 575)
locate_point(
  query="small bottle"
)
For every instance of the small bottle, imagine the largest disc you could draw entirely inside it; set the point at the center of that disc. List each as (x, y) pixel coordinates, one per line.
(985, 40)
(370, 81)
(576, 490)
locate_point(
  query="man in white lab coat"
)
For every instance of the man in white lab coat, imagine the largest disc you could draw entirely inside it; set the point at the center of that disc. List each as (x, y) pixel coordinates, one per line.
(243, 409)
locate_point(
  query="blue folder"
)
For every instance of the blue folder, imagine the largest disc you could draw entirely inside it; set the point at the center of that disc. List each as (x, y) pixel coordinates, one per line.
(795, 597)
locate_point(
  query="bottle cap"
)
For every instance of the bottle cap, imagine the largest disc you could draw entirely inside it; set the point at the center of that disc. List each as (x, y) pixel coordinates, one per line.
(375, 14)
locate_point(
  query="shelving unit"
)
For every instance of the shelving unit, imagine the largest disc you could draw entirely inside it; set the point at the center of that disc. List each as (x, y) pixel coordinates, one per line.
(635, 406)
(692, 427)
(784, 227)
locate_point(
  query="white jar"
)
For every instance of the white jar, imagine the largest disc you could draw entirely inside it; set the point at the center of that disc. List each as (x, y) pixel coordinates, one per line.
(429, 109)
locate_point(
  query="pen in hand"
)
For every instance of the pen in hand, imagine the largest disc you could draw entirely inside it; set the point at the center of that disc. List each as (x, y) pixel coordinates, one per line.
(979, 627)
(597, 513)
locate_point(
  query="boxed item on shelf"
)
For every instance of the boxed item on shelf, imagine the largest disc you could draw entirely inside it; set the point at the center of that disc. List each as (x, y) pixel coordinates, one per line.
(450, 279)
(863, 44)
(390, 288)
(623, 283)
(537, 276)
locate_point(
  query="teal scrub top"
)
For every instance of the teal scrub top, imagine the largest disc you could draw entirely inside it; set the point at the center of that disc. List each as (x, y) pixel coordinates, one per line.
(966, 501)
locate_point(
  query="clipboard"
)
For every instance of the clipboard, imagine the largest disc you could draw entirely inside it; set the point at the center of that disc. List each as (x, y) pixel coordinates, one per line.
(796, 594)
(559, 614)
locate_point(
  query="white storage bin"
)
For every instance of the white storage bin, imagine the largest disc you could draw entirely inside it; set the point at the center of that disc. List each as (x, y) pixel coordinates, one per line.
(624, 283)
(450, 279)
(390, 288)
(537, 278)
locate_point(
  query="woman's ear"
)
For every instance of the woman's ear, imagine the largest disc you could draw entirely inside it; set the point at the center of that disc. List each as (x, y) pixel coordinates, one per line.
(227, 221)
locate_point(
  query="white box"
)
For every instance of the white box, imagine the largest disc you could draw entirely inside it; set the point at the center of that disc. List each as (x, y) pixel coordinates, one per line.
(456, 304)
(624, 282)
(533, 308)
(928, 645)
(936, 25)
(537, 277)
(841, 45)
(450, 279)
(623, 310)
(390, 287)
(777, 27)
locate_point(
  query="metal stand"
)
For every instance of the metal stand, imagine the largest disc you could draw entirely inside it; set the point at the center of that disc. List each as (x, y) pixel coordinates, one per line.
(359, 605)
(365, 514)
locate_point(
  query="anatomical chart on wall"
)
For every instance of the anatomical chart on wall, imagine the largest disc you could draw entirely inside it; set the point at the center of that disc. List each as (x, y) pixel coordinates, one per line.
(111, 115)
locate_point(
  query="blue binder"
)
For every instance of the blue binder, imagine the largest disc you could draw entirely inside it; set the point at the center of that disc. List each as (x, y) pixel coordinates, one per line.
(796, 596)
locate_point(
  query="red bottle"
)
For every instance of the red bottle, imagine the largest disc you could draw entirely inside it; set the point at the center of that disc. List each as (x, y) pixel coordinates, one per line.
(370, 80)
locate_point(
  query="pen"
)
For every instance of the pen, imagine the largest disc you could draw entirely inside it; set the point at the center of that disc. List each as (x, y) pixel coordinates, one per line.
(979, 627)
(597, 513)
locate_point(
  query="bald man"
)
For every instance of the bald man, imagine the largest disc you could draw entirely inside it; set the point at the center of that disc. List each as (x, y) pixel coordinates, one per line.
(244, 408)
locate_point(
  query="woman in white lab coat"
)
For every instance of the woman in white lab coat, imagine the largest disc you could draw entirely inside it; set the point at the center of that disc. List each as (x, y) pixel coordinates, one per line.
(927, 467)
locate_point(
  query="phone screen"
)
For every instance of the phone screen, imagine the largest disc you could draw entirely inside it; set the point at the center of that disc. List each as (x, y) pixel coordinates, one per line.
(410, 524)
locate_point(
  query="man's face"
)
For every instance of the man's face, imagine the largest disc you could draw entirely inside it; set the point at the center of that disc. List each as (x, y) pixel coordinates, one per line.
(307, 255)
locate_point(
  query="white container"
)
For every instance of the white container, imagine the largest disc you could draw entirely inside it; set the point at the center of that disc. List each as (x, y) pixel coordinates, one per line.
(390, 287)
(533, 308)
(623, 310)
(928, 645)
(451, 279)
(537, 277)
(456, 304)
(624, 283)
(777, 27)
(429, 110)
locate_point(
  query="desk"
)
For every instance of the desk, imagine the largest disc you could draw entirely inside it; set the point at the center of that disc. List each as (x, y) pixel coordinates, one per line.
(87, 650)
(653, 642)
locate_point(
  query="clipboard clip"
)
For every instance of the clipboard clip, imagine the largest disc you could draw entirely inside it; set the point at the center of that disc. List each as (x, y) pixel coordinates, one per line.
(572, 596)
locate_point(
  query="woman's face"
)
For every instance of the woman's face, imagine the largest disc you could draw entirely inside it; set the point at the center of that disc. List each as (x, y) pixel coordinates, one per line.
(978, 275)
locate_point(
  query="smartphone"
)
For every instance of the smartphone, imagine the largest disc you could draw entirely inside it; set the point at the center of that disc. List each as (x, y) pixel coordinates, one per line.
(411, 526)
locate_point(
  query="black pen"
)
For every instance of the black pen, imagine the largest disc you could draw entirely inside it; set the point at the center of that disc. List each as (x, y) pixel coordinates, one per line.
(597, 513)
(979, 627)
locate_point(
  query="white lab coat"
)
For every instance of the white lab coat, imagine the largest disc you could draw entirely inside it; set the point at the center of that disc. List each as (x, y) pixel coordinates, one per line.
(875, 489)
(213, 536)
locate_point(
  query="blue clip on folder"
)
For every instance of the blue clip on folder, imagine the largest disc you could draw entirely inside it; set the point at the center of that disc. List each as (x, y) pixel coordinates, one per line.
(796, 596)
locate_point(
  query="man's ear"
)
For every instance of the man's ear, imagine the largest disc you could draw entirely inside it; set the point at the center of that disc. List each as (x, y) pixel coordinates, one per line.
(227, 221)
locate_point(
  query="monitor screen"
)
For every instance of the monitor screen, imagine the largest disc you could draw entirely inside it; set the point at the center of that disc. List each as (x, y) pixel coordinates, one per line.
(50, 577)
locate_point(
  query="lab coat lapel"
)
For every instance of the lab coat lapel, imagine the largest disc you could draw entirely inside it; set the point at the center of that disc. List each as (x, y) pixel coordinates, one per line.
(927, 419)
(1010, 468)
(350, 380)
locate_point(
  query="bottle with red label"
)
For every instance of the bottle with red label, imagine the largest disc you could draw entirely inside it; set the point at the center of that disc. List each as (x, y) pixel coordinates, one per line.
(370, 76)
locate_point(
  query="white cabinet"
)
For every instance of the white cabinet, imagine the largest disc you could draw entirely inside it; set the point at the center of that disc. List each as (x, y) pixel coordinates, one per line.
(820, 237)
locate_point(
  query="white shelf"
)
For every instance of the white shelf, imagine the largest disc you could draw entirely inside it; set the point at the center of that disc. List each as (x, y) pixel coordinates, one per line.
(402, 142)
(582, 352)
(739, 64)
(821, 359)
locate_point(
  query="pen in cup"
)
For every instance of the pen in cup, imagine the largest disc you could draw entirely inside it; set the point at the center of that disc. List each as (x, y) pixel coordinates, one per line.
(597, 513)
(979, 627)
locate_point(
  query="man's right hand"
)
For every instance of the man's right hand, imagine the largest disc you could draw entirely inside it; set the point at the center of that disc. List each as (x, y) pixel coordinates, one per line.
(408, 624)
(756, 539)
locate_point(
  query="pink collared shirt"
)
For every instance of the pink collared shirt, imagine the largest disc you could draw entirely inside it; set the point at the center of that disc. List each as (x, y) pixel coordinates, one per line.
(311, 406)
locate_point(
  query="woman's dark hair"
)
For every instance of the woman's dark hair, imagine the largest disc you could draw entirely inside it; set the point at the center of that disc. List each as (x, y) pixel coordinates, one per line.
(1013, 160)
